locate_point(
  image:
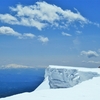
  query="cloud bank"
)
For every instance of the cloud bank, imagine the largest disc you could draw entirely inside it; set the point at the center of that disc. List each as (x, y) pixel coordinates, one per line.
(14, 66)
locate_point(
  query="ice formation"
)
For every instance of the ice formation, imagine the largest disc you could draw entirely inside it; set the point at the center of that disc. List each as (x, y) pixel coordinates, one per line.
(65, 78)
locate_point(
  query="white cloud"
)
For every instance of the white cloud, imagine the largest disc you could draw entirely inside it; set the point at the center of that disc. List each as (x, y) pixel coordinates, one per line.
(32, 22)
(8, 31)
(7, 18)
(92, 62)
(41, 15)
(94, 23)
(78, 32)
(43, 39)
(27, 35)
(14, 66)
(4, 30)
(97, 24)
(66, 34)
(90, 53)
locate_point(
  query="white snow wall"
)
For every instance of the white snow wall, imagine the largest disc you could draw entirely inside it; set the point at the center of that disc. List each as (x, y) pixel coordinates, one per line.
(65, 78)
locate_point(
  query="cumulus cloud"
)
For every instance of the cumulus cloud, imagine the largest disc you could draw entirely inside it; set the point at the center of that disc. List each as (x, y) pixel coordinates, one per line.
(41, 15)
(4, 30)
(7, 18)
(30, 35)
(27, 35)
(8, 31)
(14, 66)
(32, 22)
(66, 34)
(43, 39)
(90, 53)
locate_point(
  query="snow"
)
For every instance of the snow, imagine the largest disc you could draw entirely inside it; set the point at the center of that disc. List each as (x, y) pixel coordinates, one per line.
(87, 87)
(65, 77)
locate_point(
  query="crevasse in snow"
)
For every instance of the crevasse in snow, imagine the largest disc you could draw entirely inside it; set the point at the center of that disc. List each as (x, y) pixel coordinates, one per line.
(65, 78)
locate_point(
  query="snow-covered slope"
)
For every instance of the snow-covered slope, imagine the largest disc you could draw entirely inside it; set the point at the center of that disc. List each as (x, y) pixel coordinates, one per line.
(74, 83)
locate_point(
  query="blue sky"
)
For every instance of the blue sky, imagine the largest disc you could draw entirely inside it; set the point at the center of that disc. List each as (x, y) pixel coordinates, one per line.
(40, 33)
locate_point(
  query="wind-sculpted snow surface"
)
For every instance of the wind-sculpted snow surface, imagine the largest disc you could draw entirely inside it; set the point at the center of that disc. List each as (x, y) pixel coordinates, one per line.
(65, 78)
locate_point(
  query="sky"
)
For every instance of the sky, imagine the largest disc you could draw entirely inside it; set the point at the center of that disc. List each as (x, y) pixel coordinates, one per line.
(39, 33)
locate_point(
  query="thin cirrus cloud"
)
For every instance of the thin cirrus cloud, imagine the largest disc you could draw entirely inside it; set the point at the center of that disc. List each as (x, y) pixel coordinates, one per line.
(4, 30)
(66, 34)
(92, 62)
(79, 32)
(90, 53)
(41, 15)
